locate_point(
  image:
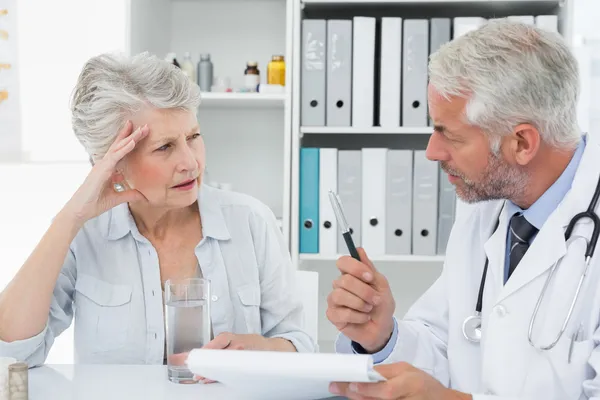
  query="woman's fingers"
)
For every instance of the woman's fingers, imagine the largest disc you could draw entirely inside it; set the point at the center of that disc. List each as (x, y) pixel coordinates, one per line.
(123, 133)
(127, 145)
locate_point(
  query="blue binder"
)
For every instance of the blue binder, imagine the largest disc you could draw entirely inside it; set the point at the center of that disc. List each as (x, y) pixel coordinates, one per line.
(309, 200)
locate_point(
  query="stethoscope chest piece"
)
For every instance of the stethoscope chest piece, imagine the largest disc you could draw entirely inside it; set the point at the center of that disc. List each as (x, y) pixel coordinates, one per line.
(472, 328)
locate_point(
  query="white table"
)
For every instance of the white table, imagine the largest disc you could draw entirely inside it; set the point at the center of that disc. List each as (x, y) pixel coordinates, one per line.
(116, 382)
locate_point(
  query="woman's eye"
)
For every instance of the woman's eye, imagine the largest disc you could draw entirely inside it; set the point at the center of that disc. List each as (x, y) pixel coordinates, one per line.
(195, 136)
(164, 147)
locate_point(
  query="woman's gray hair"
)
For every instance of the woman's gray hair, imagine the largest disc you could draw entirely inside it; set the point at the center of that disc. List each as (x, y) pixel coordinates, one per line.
(512, 73)
(112, 87)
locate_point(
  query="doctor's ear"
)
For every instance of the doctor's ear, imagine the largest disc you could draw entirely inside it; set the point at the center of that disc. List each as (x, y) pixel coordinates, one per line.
(525, 143)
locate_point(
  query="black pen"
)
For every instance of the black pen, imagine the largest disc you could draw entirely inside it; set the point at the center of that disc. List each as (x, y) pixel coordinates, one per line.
(343, 224)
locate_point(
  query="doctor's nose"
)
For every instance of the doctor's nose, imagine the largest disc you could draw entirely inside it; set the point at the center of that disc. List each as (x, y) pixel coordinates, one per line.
(436, 149)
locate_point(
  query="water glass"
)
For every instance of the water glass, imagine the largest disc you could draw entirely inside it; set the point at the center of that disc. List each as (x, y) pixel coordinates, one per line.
(187, 315)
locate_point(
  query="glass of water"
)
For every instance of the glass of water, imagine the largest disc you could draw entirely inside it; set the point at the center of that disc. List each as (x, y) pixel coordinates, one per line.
(187, 303)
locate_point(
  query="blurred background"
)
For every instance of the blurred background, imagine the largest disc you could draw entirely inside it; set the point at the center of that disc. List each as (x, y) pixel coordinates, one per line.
(253, 54)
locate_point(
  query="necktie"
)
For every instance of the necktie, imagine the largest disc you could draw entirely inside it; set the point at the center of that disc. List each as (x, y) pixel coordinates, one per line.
(521, 233)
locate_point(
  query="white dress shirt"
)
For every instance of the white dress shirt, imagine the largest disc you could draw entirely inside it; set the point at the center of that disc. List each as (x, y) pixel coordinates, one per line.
(110, 282)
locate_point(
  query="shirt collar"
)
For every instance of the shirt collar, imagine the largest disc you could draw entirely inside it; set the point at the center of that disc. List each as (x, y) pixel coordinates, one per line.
(118, 222)
(539, 211)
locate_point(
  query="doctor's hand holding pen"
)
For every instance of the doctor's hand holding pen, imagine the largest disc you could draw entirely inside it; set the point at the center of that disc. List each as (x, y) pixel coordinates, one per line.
(361, 305)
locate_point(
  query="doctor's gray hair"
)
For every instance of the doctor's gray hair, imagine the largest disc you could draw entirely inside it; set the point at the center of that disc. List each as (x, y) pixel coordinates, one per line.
(112, 87)
(512, 73)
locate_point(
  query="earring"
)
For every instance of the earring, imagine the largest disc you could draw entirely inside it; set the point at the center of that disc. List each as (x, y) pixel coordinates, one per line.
(119, 187)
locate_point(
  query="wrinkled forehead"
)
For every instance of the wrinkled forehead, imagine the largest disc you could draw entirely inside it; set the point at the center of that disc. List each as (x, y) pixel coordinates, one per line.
(166, 123)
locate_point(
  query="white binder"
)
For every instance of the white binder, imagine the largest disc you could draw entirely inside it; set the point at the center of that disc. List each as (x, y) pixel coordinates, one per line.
(391, 66)
(463, 25)
(363, 71)
(350, 193)
(328, 232)
(414, 72)
(398, 196)
(339, 72)
(547, 22)
(425, 205)
(373, 200)
(312, 82)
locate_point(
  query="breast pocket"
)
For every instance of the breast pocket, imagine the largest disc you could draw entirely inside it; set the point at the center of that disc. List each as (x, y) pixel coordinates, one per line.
(103, 312)
(568, 376)
(250, 299)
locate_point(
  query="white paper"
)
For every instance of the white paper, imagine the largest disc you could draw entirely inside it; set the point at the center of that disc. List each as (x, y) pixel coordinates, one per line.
(281, 375)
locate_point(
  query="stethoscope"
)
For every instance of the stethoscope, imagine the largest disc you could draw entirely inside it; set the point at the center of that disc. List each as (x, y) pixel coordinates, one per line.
(472, 325)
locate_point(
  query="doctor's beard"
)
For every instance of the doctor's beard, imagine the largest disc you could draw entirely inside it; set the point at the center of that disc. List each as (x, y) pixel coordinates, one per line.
(498, 181)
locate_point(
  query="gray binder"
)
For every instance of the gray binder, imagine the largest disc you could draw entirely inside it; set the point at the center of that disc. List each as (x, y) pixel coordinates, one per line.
(350, 193)
(425, 201)
(398, 236)
(414, 72)
(312, 81)
(446, 210)
(439, 34)
(339, 72)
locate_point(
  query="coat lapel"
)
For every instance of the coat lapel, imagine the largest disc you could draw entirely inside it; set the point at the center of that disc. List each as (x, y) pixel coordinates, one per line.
(549, 245)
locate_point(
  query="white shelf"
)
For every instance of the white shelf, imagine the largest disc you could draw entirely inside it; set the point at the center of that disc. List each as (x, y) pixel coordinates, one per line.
(350, 2)
(243, 100)
(425, 130)
(386, 258)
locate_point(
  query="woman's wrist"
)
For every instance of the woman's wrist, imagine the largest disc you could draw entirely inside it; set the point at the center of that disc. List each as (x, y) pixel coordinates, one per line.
(280, 344)
(70, 219)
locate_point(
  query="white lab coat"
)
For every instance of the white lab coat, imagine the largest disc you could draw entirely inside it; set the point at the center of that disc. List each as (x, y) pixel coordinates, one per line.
(505, 366)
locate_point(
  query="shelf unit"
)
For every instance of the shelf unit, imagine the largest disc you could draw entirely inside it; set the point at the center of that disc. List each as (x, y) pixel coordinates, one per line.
(409, 275)
(243, 100)
(375, 130)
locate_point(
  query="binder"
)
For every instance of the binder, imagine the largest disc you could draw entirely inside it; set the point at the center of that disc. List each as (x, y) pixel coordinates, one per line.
(446, 211)
(439, 35)
(350, 193)
(526, 19)
(339, 72)
(390, 75)
(463, 25)
(425, 199)
(309, 200)
(398, 202)
(373, 200)
(363, 71)
(328, 231)
(312, 82)
(547, 22)
(414, 72)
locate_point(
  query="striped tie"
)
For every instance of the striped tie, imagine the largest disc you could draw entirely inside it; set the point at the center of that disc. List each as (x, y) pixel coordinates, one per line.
(521, 233)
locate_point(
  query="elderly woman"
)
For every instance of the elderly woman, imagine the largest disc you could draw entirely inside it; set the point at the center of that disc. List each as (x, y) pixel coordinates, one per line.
(142, 216)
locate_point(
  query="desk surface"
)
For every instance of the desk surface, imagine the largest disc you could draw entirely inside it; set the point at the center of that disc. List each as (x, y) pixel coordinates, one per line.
(115, 382)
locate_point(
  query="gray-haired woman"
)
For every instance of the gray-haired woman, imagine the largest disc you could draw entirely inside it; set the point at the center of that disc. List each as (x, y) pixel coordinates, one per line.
(142, 216)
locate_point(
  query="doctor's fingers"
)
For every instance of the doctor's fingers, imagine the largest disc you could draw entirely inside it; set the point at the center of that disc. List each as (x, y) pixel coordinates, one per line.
(348, 390)
(342, 298)
(342, 316)
(357, 287)
(396, 388)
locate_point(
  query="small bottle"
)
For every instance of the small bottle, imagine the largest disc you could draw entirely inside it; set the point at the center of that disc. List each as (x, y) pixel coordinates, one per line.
(188, 67)
(205, 73)
(252, 76)
(276, 71)
(18, 381)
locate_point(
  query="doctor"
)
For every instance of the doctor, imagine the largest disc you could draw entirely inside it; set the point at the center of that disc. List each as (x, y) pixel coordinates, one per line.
(503, 100)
